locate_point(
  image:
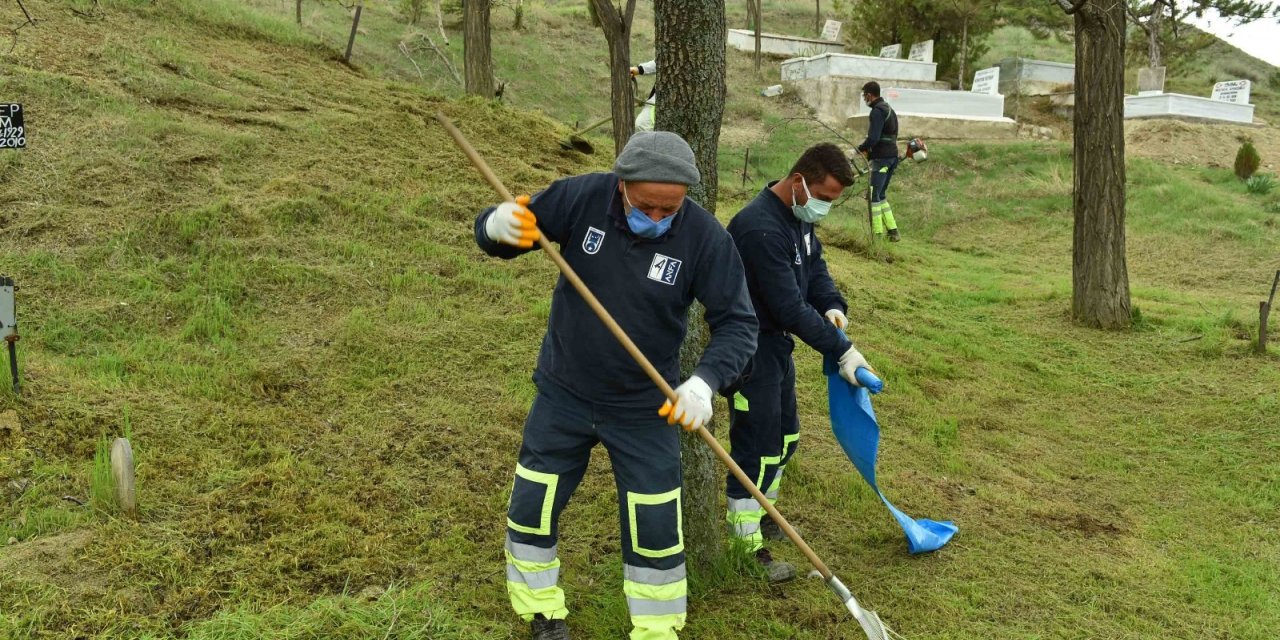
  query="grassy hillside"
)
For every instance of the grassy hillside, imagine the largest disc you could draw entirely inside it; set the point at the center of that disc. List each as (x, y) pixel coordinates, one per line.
(257, 262)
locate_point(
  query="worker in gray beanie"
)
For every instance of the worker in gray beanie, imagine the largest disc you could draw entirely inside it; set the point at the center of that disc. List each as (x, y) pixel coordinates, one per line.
(647, 252)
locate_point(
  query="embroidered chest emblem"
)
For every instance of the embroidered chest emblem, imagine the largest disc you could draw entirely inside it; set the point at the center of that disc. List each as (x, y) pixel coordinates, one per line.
(808, 244)
(591, 243)
(664, 269)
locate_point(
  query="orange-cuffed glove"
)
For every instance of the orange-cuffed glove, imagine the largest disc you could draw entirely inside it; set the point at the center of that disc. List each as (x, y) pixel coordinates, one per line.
(693, 405)
(513, 223)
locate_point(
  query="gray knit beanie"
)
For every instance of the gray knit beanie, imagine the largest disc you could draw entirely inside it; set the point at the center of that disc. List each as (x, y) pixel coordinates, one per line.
(657, 156)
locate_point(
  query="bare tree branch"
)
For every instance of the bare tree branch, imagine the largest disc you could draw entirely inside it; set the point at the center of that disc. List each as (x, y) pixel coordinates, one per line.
(413, 43)
(405, 50)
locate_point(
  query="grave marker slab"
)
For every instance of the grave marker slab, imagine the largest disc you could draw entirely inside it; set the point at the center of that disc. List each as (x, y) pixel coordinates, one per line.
(891, 51)
(921, 51)
(1236, 91)
(987, 81)
(831, 30)
(13, 135)
(1150, 81)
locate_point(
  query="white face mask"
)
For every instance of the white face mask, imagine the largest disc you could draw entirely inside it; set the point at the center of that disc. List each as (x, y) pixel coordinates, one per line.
(813, 209)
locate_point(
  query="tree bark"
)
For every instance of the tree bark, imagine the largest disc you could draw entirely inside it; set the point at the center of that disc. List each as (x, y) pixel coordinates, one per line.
(476, 50)
(690, 36)
(964, 51)
(759, 18)
(1153, 34)
(616, 24)
(1100, 277)
(298, 10)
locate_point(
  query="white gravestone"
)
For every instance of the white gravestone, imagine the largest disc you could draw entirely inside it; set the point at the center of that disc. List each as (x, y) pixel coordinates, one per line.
(831, 30)
(1236, 91)
(891, 51)
(921, 51)
(987, 81)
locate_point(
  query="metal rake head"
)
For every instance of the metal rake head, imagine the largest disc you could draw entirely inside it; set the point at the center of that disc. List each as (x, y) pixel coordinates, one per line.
(870, 622)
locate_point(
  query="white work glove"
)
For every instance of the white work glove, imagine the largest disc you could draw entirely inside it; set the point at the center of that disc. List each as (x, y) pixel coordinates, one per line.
(849, 363)
(837, 318)
(513, 223)
(693, 405)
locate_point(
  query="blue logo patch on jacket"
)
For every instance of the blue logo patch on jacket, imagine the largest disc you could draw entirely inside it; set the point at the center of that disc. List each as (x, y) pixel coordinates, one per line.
(664, 269)
(591, 243)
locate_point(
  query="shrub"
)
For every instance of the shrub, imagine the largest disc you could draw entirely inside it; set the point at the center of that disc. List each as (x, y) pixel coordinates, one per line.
(1247, 161)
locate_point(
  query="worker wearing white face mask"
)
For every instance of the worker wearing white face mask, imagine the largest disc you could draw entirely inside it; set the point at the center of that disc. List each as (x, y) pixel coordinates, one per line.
(793, 295)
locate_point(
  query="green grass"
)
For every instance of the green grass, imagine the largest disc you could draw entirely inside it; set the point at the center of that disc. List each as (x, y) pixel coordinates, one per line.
(266, 276)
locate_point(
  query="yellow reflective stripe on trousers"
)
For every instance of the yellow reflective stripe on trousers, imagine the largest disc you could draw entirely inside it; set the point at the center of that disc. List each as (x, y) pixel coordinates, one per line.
(537, 575)
(740, 402)
(657, 599)
(549, 480)
(744, 520)
(662, 627)
(528, 601)
(772, 492)
(531, 576)
(645, 600)
(653, 499)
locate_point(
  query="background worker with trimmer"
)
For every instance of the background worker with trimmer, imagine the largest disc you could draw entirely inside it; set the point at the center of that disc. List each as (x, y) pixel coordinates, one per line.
(881, 150)
(649, 114)
(646, 251)
(793, 295)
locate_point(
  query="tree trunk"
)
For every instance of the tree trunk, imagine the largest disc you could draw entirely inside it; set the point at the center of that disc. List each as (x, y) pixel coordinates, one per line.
(964, 51)
(690, 36)
(298, 10)
(759, 20)
(1153, 34)
(817, 18)
(616, 25)
(519, 11)
(1100, 278)
(476, 52)
(704, 528)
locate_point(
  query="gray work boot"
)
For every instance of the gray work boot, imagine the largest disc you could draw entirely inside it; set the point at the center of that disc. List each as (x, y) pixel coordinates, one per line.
(772, 531)
(777, 570)
(544, 629)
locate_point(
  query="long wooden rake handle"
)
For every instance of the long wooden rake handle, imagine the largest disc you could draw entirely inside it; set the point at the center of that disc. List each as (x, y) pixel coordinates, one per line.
(632, 349)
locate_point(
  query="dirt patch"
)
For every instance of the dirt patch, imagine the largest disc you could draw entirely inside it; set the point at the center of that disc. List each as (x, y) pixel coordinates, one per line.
(1212, 145)
(52, 560)
(1082, 523)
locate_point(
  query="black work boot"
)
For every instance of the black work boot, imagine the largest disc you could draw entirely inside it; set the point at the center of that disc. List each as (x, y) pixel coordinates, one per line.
(544, 629)
(893, 235)
(777, 570)
(772, 531)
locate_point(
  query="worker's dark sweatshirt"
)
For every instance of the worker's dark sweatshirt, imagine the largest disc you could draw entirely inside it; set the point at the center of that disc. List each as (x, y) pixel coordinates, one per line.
(882, 132)
(646, 284)
(786, 275)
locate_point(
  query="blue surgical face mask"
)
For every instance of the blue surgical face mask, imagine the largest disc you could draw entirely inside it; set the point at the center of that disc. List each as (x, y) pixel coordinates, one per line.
(813, 209)
(641, 224)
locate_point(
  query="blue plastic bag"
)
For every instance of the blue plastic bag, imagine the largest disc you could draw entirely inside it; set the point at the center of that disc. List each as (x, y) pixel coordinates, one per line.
(853, 422)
